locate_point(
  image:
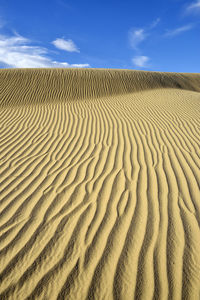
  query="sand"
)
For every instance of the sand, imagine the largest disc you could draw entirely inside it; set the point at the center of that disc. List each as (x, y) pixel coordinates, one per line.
(99, 184)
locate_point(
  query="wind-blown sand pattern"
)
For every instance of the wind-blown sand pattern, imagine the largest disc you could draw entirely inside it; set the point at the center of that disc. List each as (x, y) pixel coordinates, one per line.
(99, 184)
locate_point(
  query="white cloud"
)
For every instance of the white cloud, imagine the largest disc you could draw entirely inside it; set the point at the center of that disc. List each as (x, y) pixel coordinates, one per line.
(136, 36)
(67, 45)
(16, 52)
(179, 30)
(80, 65)
(194, 7)
(140, 61)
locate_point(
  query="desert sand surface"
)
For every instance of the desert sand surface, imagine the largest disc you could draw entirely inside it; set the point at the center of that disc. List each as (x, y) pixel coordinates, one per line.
(99, 184)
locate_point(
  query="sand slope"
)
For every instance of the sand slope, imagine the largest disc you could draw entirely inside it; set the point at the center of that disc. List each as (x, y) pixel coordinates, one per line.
(99, 184)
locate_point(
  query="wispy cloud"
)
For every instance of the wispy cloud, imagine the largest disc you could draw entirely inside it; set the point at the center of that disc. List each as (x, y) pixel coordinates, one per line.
(140, 61)
(136, 36)
(194, 7)
(179, 30)
(155, 23)
(67, 45)
(17, 52)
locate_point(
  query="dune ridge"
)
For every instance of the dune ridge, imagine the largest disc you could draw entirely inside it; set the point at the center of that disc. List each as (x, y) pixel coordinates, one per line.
(99, 184)
(53, 85)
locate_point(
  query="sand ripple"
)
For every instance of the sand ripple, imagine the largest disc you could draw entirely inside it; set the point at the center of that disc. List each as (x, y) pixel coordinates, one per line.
(99, 194)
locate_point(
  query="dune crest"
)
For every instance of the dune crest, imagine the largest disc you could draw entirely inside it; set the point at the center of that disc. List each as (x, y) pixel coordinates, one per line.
(34, 86)
(99, 184)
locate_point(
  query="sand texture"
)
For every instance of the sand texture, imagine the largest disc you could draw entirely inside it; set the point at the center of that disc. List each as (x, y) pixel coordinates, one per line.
(99, 184)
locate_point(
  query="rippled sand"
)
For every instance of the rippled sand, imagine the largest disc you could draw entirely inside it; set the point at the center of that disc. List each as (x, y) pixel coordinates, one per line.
(99, 184)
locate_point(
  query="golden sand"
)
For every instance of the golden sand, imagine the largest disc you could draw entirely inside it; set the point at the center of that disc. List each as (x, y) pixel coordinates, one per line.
(99, 184)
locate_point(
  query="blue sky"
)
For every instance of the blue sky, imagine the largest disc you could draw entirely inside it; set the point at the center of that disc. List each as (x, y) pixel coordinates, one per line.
(155, 35)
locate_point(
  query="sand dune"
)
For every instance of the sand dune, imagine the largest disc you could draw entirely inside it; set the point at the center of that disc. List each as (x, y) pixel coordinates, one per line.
(99, 184)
